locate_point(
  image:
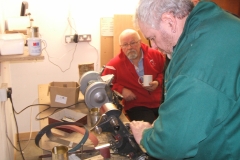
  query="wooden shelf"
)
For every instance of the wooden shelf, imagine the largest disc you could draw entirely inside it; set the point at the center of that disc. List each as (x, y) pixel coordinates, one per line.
(20, 57)
(16, 31)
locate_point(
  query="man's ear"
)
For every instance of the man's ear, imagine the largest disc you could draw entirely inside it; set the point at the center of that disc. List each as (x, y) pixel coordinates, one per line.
(170, 21)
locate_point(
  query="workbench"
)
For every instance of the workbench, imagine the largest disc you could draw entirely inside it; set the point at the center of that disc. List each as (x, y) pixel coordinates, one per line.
(44, 98)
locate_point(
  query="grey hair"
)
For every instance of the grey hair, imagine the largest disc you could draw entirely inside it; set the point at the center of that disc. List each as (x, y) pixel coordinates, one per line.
(129, 32)
(150, 11)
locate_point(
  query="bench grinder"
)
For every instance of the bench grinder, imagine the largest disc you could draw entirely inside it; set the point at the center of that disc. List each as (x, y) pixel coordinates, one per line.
(98, 94)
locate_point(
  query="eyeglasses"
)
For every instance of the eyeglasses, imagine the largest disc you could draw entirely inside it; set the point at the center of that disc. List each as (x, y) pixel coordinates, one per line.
(132, 44)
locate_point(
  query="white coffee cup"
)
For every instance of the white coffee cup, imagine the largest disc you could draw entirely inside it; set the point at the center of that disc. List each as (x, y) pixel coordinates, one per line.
(146, 79)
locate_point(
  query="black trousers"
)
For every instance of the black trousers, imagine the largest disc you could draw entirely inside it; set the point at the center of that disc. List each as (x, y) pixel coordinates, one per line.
(142, 113)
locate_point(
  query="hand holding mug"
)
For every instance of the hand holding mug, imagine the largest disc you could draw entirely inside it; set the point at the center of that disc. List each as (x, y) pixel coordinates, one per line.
(146, 79)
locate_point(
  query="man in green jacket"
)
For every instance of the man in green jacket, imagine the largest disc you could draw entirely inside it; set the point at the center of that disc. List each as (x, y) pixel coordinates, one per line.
(200, 117)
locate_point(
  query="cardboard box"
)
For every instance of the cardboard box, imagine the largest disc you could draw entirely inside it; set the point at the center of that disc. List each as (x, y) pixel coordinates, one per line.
(63, 94)
(68, 115)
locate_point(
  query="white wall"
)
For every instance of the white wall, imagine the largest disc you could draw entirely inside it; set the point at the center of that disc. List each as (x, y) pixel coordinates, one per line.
(52, 19)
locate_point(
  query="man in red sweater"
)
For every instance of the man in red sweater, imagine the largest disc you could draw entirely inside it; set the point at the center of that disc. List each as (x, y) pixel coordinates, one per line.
(135, 60)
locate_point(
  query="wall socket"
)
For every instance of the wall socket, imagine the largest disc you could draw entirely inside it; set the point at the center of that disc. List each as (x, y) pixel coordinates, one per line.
(78, 38)
(69, 39)
(84, 38)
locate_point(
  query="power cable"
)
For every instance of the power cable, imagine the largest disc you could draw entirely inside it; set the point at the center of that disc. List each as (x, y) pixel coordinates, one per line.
(9, 95)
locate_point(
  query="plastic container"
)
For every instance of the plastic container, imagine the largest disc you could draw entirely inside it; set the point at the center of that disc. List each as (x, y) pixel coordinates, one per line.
(11, 44)
(34, 46)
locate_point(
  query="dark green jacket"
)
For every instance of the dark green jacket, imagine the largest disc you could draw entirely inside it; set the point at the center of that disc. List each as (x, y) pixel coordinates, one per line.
(200, 117)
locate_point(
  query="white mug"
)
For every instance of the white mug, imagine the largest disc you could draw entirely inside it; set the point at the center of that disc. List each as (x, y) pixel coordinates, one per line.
(146, 79)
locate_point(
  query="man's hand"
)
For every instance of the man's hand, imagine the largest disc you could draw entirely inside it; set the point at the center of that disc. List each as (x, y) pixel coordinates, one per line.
(152, 86)
(128, 95)
(137, 128)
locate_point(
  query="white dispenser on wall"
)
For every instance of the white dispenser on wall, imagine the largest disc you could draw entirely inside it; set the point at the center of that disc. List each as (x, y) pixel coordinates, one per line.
(11, 44)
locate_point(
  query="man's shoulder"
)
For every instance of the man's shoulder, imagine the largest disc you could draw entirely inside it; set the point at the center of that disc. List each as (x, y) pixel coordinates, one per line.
(150, 50)
(154, 53)
(115, 60)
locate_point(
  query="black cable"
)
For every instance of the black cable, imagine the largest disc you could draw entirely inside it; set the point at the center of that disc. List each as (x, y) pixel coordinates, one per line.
(14, 111)
(48, 107)
(9, 95)
(30, 106)
(57, 108)
(18, 139)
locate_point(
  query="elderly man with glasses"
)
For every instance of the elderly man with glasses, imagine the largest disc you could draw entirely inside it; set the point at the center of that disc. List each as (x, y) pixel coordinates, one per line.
(135, 60)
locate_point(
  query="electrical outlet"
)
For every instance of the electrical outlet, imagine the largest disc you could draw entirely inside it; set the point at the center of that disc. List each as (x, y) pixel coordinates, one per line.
(78, 38)
(84, 38)
(69, 39)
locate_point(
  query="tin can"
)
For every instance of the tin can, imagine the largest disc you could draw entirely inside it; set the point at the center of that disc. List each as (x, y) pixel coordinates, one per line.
(60, 153)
